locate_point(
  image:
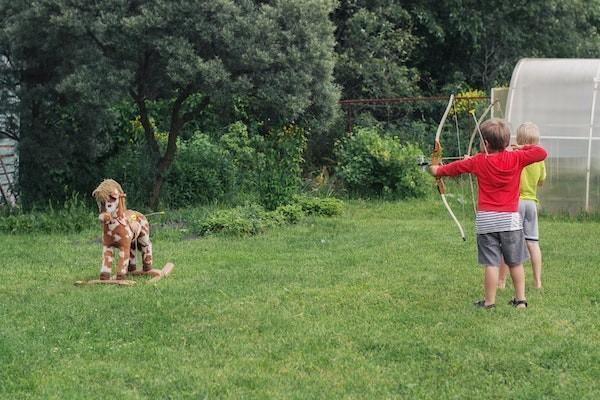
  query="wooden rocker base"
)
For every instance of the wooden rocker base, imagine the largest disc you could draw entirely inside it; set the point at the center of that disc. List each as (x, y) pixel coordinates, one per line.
(165, 271)
(157, 275)
(112, 281)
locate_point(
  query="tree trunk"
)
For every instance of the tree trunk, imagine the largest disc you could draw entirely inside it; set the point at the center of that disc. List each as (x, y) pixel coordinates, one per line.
(164, 163)
(178, 120)
(156, 187)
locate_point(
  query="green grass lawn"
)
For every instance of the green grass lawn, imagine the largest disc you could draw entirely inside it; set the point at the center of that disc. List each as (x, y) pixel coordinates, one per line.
(376, 303)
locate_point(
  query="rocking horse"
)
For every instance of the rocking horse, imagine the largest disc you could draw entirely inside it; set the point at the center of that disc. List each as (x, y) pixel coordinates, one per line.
(127, 231)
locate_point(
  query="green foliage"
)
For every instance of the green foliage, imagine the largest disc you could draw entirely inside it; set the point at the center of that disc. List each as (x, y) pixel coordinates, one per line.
(372, 165)
(72, 217)
(386, 49)
(374, 43)
(234, 168)
(289, 213)
(327, 206)
(252, 219)
(469, 101)
(241, 150)
(202, 173)
(205, 170)
(280, 170)
(417, 123)
(180, 63)
(75, 216)
(133, 167)
(482, 46)
(188, 66)
(421, 133)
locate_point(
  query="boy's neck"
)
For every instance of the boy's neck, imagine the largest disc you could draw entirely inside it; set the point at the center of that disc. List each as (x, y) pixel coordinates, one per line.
(490, 151)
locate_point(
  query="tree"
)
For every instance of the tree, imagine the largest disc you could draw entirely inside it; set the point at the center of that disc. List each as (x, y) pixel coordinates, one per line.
(55, 146)
(374, 43)
(192, 54)
(481, 46)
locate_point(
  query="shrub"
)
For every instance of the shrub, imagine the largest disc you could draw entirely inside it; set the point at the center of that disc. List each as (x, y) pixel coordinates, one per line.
(133, 168)
(72, 217)
(289, 213)
(241, 151)
(252, 219)
(370, 164)
(280, 165)
(201, 173)
(470, 99)
(328, 206)
(243, 220)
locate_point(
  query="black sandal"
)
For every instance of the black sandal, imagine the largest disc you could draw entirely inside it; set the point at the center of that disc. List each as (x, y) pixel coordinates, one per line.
(481, 304)
(515, 303)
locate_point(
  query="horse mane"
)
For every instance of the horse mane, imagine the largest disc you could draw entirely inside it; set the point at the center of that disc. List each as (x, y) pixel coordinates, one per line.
(105, 189)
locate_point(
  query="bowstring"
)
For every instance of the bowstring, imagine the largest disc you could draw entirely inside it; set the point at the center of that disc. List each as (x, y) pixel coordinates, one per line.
(460, 156)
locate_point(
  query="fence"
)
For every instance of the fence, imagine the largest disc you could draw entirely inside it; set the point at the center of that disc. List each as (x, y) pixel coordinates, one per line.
(8, 170)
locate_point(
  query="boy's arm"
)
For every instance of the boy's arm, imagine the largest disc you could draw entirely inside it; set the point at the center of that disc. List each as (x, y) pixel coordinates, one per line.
(455, 168)
(542, 175)
(531, 153)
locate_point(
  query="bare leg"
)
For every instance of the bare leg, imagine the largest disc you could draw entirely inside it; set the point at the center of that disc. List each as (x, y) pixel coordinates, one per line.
(502, 275)
(517, 274)
(536, 263)
(491, 283)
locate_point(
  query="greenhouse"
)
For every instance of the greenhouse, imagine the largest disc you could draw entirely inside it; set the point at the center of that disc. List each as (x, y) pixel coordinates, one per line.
(562, 97)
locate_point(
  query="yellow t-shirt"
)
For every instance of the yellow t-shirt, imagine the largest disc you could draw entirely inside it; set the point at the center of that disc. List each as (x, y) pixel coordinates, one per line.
(531, 175)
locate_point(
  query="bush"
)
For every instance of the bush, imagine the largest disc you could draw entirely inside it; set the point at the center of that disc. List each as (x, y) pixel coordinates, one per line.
(134, 169)
(370, 164)
(201, 173)
(280, 166)
(72, 217)
(252, 219)
(289, 213)
(238, 166)
(243, 220)
(241, 151)
(319, 206)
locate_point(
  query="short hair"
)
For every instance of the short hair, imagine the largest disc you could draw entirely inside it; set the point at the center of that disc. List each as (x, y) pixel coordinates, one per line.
(528, 133)
(496, 132)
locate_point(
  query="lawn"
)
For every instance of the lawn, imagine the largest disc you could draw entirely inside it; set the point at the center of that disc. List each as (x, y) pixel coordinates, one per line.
(375, 303)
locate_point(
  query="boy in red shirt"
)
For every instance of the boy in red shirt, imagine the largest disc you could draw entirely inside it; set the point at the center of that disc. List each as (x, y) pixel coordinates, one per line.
(498, 223)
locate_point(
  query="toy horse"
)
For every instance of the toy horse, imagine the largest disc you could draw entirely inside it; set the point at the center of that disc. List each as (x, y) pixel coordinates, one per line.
(122, 229)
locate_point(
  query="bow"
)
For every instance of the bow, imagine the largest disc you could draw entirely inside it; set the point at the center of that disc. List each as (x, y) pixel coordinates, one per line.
(436, 158)
(476, 131)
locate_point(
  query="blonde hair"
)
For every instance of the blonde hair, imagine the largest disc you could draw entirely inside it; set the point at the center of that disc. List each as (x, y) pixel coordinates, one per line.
(528, 133)
(496, 132)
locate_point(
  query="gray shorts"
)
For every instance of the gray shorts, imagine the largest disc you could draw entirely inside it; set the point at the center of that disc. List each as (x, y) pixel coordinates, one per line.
(529, 215)
(492, 247)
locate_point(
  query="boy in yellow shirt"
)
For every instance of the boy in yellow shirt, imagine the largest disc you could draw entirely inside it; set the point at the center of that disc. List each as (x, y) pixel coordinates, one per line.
(532, 177)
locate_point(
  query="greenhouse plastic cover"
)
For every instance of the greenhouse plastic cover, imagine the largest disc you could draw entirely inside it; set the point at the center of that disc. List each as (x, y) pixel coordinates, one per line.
(562, 96)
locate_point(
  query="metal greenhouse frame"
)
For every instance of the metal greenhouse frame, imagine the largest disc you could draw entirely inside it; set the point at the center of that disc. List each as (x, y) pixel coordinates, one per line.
(562, 97)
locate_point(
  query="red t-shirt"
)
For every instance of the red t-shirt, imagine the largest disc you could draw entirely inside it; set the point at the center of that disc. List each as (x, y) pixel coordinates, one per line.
(498, 175)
